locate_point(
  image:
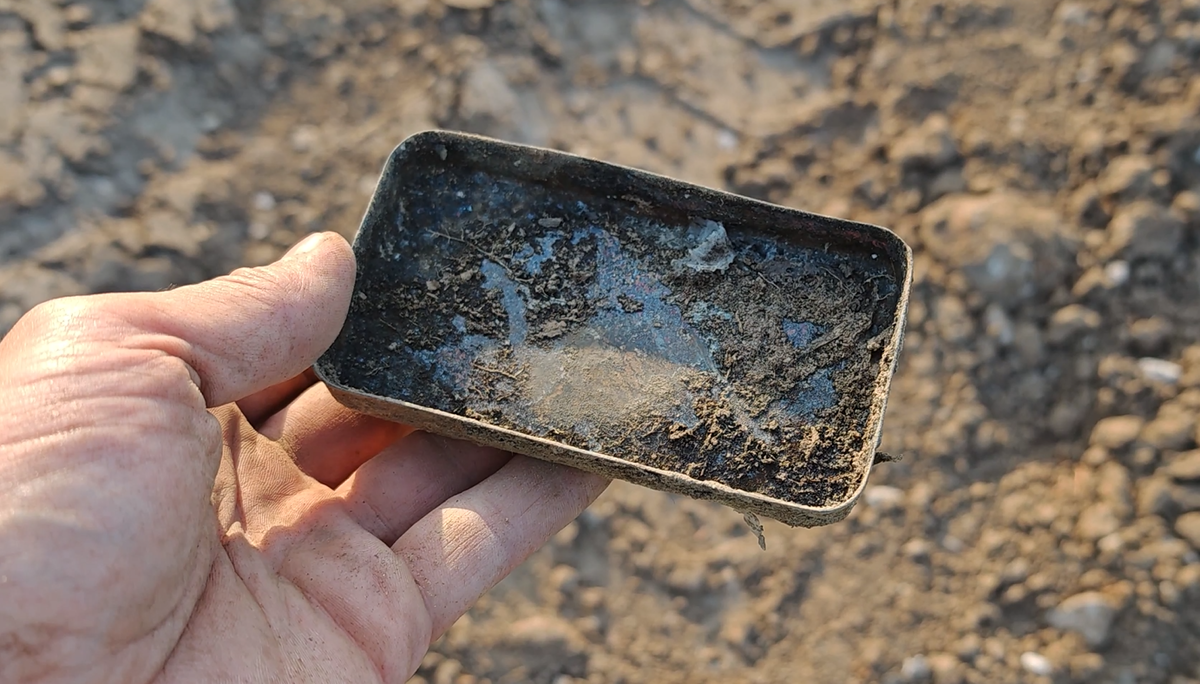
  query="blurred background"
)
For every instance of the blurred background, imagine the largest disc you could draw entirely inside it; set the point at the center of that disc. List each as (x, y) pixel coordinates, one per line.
(1042, 158)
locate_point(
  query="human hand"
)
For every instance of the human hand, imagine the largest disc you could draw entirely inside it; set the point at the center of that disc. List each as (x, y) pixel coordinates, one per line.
(180, 501)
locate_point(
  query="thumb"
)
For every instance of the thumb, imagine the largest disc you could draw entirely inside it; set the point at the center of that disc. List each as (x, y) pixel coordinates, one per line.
(255, 327)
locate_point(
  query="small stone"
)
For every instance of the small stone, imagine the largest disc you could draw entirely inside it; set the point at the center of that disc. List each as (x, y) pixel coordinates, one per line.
(946, 669)
(1071, 321)
(1073, 14)
(1095, 456)
(78, 15)
(1184, 467)
(1149, 335)
(264, 201)
(1096, 521)
(1154, 496)
(1116, 432)
(916, 550)
(1036, 664)
(1114, 487)
(305, 138)
(969, 647)
(1187, 205)
(107, 56)
(1008, 246)
(1160, 370)
(1090, 614)
(1143, 229)
(1187, 579)
(469, 4)
(1086, 666)
(1127, 177)
(1116, 273)
(915, 669)
(928, 147)
(1185, 498)
(1016, 571)
(1171, 429)
(953, 320)
(487, 100)
(1188, 528)
(447, 672)
(883, 497)
(999, 325)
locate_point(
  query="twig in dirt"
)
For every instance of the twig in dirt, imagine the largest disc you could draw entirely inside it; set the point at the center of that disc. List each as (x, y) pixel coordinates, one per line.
(500, 262)
(497, 371)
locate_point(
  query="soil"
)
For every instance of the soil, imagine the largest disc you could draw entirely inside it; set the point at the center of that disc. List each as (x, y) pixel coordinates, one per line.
(747, 355)
(1040, 157)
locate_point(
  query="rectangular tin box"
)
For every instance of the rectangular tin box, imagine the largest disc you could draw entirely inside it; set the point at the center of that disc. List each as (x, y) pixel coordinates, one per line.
(617, 321)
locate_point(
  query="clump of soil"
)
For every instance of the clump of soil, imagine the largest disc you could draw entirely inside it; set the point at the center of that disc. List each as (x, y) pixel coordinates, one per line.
(726, 353)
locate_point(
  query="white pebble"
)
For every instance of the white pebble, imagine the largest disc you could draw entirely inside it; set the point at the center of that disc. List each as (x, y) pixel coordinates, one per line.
(1036, 664)
(915, 668)
(1116, 273)
(264, 201)
(259, 231)
(1160, 370)
(304, 137)
(726, 140)
(884, 497)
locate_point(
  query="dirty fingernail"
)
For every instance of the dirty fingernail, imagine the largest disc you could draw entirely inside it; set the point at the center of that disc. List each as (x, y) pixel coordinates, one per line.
(308, 244)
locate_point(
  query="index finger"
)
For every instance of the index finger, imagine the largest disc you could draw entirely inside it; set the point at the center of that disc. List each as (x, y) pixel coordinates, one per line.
(465, 546)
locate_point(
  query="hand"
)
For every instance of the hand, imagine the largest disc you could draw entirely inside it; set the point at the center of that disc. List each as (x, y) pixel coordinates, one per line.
(152, 529)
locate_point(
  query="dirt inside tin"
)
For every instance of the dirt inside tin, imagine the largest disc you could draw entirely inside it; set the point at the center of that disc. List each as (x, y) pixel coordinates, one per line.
(718, 351)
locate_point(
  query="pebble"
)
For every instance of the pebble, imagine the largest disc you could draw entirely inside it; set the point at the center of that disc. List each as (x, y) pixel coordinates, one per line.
(1071, 321)
(1188, 527)
(1149, 335)
(1085, 666)
(107, 56)
(883, 497)
(264, 201)
(1172, 428)
(946, 669)
(916, 550)
(1036, 664)
(1160, 370)
(1185, 467)
(1116, 432)
(1185, 498)
(1096, 521)
(1090, 614)
(915, 669)
(928, 147)
(1153, 496)
(1117, 273)
(1007, 246)
(487, 98)
(969, 646)
(998, 324)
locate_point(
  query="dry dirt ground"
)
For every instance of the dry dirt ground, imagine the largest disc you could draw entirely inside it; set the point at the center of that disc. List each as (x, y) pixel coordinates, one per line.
(1043, 159)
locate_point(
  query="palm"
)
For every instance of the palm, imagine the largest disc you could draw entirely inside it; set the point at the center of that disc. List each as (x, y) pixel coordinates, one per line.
(278, 538)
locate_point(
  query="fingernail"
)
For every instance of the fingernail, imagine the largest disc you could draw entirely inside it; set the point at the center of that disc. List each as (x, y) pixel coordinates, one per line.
(308, 244)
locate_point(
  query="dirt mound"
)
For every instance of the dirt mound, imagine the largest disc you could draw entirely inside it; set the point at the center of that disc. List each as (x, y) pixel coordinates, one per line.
(1042, 159)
